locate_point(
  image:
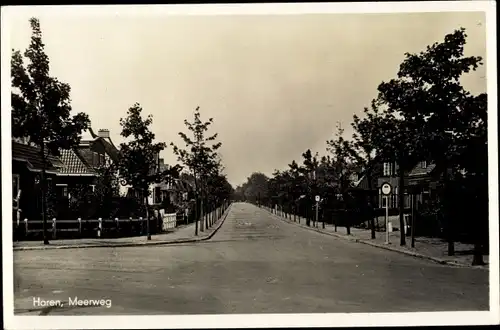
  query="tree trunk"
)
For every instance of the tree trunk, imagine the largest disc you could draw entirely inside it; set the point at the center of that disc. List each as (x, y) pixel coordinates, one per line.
(195, 204)
(478, 254)
(371, 206)
(347, 219)
(213, 214)
(207, 216)
(445, 214)
(308, 219)
(201, 212)
(401, 202)
(335, 218)
(479, 230)
(413, 214)
(43, 185)
(146, 204)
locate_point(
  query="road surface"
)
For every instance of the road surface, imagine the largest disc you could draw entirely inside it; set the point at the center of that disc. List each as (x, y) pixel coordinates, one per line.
(255, 263)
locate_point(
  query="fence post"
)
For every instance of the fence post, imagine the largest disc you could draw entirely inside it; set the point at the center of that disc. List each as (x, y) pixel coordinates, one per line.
(80, 226)
(54, 228)
(117, 226)
(99, 228)
(25, 226)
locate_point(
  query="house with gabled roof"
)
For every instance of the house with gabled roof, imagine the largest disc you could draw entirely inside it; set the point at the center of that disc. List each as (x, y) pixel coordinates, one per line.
(423, 181)
(82, 161)
(27, 166)
(174, 190)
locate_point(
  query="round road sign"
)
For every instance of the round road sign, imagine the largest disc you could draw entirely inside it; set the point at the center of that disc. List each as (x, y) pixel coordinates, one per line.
(386, 188)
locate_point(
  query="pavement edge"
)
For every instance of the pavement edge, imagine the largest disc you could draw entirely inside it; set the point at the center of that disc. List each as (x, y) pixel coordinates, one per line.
(146, 243)
(382, 246)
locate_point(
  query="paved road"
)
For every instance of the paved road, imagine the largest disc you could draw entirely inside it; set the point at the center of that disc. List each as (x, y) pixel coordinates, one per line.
(254, 264)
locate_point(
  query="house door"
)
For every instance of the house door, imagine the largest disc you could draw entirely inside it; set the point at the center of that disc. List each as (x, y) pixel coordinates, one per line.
(15, 186)
(16, 189)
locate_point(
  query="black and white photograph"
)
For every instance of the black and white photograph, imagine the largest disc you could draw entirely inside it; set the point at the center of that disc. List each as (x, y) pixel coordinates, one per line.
(250, 165)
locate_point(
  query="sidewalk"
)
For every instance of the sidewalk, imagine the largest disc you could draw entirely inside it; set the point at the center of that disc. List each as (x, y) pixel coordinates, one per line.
(182, 234)
(434, 249)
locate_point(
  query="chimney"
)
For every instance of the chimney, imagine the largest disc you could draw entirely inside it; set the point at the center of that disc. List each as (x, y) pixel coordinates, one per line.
(103, 133)
(161, 161)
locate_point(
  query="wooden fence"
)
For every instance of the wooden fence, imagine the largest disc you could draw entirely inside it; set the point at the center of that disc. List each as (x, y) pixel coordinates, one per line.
(80, 228)
(169, 221)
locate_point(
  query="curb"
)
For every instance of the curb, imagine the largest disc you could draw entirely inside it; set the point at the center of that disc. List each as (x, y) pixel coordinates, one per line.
(146, 243)
(363, 241)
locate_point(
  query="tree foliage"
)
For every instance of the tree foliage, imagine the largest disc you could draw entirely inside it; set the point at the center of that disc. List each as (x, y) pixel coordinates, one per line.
(424, 114)
(200, 156)
(138, 163)
(41, 109)
(438, 114)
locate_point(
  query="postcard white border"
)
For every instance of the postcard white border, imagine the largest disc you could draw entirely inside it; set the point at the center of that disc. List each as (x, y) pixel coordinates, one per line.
(255, 320)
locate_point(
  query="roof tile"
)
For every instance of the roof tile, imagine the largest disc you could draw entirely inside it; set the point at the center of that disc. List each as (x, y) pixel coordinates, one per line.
(73, 164)
(31, 154)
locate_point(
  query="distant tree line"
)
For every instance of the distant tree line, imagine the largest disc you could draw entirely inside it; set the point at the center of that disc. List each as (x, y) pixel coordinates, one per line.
(423, 114)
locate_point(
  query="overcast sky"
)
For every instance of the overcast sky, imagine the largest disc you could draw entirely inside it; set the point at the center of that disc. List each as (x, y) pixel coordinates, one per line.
(275, 85)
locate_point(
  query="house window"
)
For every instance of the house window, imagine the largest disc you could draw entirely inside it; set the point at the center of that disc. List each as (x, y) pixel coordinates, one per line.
(423, 164)
(387, 169)
(157, 195)
(92, 186)
(63, 188)
(95, 158)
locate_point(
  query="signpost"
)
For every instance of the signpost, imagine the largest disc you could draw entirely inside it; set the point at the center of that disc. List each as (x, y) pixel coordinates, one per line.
(317, 209)
(386, 190)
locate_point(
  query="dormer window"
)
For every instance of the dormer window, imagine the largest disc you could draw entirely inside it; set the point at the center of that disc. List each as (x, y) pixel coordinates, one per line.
(423, 164)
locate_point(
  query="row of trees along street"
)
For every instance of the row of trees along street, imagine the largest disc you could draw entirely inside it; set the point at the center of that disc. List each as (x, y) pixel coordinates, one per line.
(423, 114)
(42, 115)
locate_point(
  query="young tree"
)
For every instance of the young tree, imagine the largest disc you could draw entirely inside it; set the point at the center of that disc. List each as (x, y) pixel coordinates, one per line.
(297, 184)
(429, 97)
(106, 189)
(363, 151)
(217, 187)
(308, 170)
(342, 169)
(41, 110)
(138, 164)
(199, 155)
(396, 140)
(327, 182)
